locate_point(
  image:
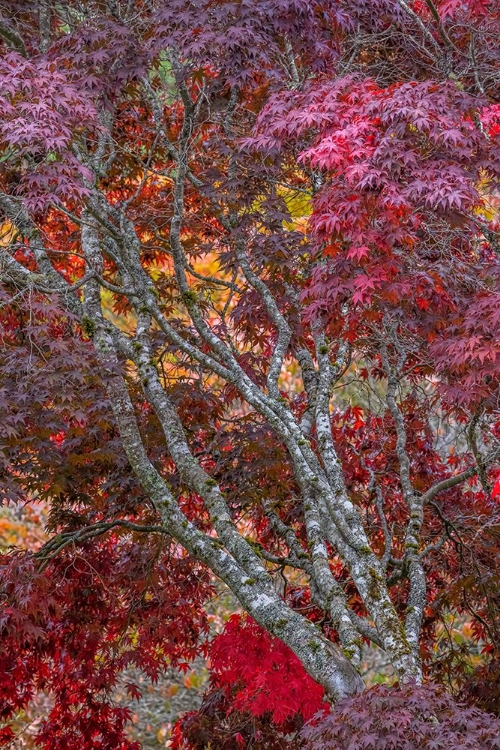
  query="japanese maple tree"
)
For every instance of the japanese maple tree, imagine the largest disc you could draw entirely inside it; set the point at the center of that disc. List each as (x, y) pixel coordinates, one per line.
(250, 311)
